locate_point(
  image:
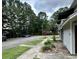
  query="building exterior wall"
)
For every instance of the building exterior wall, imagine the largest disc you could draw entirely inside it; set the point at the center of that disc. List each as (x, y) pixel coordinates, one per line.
(66, 37)
(68, 33)
(73, 37)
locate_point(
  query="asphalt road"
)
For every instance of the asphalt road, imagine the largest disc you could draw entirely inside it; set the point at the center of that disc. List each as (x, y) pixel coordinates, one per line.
(13, 42)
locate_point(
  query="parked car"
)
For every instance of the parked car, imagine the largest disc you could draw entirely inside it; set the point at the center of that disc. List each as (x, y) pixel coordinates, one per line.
(26, 35)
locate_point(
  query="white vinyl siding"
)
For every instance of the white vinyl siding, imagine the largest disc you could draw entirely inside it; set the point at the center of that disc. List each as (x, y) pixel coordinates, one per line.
(67, 37)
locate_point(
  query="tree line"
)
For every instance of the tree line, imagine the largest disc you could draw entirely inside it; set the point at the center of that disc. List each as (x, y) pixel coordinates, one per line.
(19, 19)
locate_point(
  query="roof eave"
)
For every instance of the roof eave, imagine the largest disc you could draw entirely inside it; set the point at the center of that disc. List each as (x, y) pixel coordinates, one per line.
(67, 20)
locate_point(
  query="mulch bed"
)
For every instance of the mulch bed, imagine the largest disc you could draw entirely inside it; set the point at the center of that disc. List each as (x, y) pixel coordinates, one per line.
(59, 48)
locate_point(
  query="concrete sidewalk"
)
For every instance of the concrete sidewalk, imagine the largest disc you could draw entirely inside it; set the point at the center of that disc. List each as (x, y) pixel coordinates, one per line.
(31, 53)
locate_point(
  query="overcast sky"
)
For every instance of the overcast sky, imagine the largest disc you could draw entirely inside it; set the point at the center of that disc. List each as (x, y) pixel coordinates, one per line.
(48, 6)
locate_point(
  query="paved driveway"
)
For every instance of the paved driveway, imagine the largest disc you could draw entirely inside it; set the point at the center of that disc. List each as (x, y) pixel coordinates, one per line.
(13, 42)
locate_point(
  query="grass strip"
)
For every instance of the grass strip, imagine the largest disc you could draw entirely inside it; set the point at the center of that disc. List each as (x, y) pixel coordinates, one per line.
(13, 53)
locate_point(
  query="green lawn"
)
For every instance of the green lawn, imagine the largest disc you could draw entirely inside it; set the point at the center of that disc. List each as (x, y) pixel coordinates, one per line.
(13, 53)
(34, 42)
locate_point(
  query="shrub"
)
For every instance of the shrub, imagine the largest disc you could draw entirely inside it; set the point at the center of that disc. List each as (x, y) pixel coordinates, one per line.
(52, 46)
(48, 42)
(54, 38)
(48, 45)
(45, 48)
